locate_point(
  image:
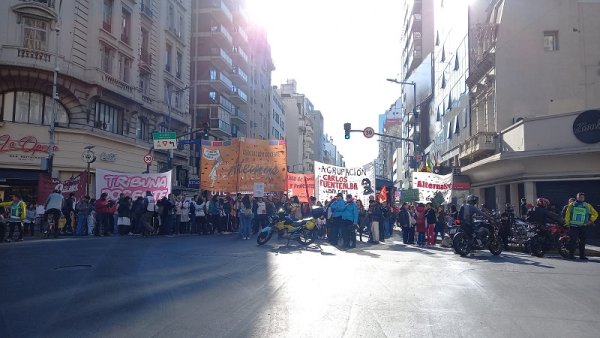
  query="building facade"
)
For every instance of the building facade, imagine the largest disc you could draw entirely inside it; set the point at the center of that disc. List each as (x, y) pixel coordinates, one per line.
(261, 66)
(277, 118)
(118, 81)
(552, 88)
(318, 127)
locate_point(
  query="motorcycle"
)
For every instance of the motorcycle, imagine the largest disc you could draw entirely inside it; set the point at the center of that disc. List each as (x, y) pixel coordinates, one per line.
(304, 231)
(485, 236)
(548, 237)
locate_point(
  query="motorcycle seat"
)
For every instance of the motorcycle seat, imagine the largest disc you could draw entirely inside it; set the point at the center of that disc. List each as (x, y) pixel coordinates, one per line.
(300, 222)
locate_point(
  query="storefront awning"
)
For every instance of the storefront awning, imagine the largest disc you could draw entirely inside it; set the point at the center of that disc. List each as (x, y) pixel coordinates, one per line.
(19, 174)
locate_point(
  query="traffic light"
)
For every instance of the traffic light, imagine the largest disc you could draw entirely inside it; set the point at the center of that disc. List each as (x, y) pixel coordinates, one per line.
(347, 127)
(205, 133)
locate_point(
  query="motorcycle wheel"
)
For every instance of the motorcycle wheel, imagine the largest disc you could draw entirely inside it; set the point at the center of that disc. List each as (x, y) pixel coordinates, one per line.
(461, 244)
(537, 246)
(263, 237)
(306, 237)
(496, 246)
(563, 248)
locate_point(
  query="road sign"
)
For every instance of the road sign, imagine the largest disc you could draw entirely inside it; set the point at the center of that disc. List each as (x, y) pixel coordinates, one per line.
(368, 132)
(148, 158)
(166, 140)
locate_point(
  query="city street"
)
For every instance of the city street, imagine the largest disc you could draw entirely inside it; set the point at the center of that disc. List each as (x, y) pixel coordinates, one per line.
(221, 286)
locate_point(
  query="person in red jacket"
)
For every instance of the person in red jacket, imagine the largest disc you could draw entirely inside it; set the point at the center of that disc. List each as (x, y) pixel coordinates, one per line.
(104, 211)
(420, 226)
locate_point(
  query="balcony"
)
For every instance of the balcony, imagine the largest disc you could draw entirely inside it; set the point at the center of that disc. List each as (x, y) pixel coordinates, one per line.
(46, 3)
(34, 54)
(219, 10)
(483, 143)
(239, 116)
(221, 36)
(240, 34)
(238, 96)
(146, 61)
(221, 59)
(115, 83)
(241, 15)
(220, 82)
(238, 74)
(240, 56)
(220, 128)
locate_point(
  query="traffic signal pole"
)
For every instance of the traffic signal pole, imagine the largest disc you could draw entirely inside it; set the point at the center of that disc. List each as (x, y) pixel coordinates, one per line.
(383, 135)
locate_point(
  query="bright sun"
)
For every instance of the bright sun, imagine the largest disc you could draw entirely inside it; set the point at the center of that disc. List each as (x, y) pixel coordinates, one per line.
(260, 11)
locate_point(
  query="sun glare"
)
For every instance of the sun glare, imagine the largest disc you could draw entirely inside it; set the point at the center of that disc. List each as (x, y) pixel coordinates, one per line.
(260, 11)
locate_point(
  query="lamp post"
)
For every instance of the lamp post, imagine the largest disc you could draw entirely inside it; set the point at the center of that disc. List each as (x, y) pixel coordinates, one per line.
(170, 164)
(51, 130)
(88, 157)
(414, 85)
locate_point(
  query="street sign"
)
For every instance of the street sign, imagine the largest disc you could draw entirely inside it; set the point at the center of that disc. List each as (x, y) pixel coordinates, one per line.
(167, 140)
(368, 132)
(148, 158)
(88, 156)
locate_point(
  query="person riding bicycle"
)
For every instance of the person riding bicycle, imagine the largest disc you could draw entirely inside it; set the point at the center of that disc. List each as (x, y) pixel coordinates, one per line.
(467, 212)
(54, 205)
(541, 215)
(18, 212)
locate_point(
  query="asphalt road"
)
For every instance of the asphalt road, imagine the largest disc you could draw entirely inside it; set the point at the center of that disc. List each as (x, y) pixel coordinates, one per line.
(221, 286)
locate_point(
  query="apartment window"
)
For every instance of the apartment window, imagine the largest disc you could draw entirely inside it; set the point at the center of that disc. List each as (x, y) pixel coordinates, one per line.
(106, 58)
(30, 107)
(168, 91)
(456, 63)
(109, 118)
(213, 74)
(181, 22)
(145, 83)
(125, 25)
(456, 125)
(107, 15)
(168, 61)
(35, 34)
(178, 99)
(179, 64)
(124, 68)
(466, 117)
(550, 41)
(213, 97)
(443, 54)
(171, 17)
(142, 129)
(450, 130)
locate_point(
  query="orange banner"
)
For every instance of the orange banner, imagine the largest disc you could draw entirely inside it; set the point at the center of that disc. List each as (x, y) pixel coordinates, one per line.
(297, 186)
(234, 166)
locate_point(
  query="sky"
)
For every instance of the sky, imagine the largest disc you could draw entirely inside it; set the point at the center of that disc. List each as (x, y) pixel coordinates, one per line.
(340, 52)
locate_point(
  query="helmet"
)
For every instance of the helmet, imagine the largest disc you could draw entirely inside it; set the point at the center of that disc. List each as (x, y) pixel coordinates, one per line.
(472, 199)
(542, 202)
(281, 212)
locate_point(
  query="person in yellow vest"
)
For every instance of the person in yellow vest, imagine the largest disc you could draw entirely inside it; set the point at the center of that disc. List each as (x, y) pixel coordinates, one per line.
(578, 216)
(18, 212)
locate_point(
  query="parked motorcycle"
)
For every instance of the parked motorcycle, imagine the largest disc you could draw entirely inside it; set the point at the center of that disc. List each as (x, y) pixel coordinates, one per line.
(304, 231)
(548, 237)
(518, 232)
(485, 236)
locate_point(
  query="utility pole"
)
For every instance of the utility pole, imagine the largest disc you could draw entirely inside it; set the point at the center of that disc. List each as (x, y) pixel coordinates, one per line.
(52, 129)
(170, 164)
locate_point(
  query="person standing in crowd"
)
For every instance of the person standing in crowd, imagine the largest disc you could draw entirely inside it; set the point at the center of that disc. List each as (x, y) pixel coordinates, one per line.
(523, 208)
(91, 221)
(564, 209)
(17, 214)
(261, 213)
(103, 214)
(374, 213)
(170, 214)
(124, 215)
(67, 211)
(295, 209)
(192, 215)
(213, 214)
(178, 201)
(337, 208)
(421, 226)
(137, 214)
(431, 218)
(404, 220)
(245, 217)
(349, 221)
(83, 211)
(507, 219)
(226, 210)
(29, 221)
(2, 224)
(440, 224)
(149, 212)
(578, 216)
(185, 226)
(201, 208)
(54, 205)
(385, 220)
(237, 209)
(362, 219)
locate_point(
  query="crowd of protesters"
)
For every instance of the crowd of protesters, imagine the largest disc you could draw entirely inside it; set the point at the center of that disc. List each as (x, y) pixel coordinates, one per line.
(344, 216)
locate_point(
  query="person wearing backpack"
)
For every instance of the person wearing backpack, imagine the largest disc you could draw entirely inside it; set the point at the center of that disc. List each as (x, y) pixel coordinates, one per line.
(17, 213)
(578, 216)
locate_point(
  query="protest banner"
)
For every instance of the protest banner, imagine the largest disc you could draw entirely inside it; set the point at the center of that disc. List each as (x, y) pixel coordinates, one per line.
(297, 186)
(331, 180)
(430, 184)
(131, 184)
(75, 184)
(234, 166)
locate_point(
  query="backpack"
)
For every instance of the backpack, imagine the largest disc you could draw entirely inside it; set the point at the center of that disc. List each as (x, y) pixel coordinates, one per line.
(192, 206)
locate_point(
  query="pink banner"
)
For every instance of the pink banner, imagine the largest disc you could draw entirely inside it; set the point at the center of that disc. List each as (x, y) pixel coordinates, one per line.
(134, 185)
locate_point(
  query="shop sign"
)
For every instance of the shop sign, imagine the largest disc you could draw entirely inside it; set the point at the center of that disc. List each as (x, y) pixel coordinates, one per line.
(108, 157)
(587, 127)
(26, 144)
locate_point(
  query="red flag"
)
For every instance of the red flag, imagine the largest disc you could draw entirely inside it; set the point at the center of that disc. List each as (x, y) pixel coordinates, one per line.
(383, 194)
(306, 186)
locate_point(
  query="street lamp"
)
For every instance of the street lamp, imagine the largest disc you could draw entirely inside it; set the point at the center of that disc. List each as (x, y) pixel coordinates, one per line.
(88, 157)
(51, 131)
(415, 114)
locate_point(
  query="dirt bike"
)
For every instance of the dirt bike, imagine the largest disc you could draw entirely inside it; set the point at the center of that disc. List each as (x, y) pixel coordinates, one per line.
(548, 237)
(485, 236)
(304, 231)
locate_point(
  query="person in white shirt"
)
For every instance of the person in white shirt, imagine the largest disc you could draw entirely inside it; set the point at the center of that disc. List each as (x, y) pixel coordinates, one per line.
(200, 213)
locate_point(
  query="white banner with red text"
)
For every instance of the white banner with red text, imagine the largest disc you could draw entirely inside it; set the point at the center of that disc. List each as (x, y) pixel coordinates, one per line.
(331, 180)
(131, 184)
(430, 184)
